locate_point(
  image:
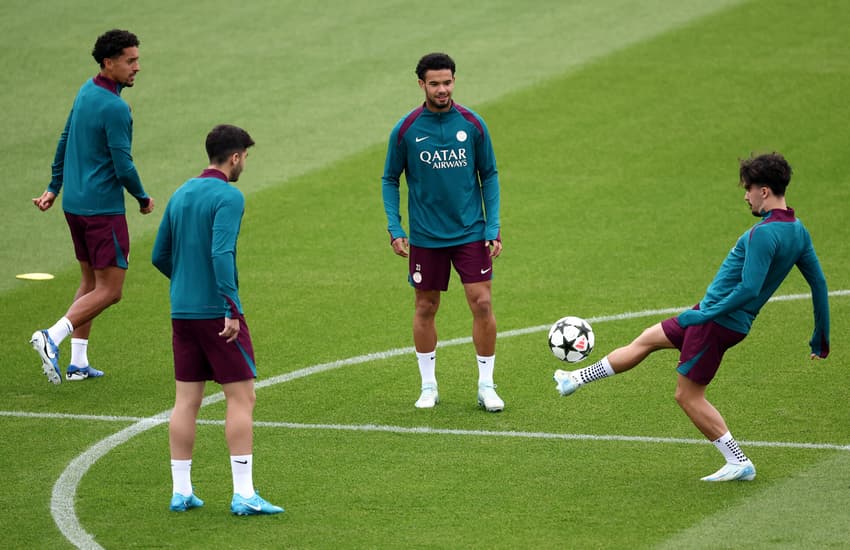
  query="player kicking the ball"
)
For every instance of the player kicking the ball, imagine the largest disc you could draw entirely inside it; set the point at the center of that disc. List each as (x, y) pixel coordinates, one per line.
(196, 249)
(748, 277)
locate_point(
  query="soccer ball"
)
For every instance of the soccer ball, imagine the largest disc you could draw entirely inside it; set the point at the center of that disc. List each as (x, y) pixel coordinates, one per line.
(571, 339)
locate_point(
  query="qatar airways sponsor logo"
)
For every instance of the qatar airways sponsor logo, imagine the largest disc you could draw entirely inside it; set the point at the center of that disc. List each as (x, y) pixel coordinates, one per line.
(444, 158)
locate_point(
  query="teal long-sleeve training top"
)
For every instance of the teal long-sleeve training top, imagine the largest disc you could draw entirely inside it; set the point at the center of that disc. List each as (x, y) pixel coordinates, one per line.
(758, 263)
(195, 247)
(452, 181)
(93, 163)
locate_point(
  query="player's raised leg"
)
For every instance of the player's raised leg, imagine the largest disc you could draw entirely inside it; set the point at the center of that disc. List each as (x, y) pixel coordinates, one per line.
(620, 360)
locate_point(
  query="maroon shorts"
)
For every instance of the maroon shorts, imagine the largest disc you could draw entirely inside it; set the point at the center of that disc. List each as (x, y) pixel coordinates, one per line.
(100, 241)
(430, 268)
(200, 354)
(701, 347)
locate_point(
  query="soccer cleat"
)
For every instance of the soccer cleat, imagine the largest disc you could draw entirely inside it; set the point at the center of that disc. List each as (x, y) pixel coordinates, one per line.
(81, 373)
(253, 506)
(49, 353)
(488, 398)
(733, 472)
(428, 398)
(180, 503)
(567, 382)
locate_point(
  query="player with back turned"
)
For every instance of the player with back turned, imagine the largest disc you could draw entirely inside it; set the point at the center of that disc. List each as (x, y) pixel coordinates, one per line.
(755, 267)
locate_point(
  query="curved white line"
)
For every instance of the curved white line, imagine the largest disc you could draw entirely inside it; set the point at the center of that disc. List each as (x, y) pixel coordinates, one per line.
(65, 488)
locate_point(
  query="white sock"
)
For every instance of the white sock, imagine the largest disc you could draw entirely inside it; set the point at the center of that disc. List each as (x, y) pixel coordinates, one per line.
(727, 445)
(61, 330)
(427, 366)
(597, 371)
(241, 466)
(485, 368)
(181, 476)
(79, 355)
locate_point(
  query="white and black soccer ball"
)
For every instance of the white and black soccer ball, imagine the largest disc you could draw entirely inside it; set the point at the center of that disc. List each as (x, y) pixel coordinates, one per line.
(571, 339)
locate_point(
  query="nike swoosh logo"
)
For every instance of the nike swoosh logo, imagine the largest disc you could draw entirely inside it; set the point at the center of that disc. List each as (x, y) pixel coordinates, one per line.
(421, 139)
(241, 461)
(483, 271)
(253, 507)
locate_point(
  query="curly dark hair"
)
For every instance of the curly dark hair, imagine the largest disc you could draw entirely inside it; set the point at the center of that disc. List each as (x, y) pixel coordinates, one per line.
(770, 169)
(434, 62)
(226, 139)
(112, 43)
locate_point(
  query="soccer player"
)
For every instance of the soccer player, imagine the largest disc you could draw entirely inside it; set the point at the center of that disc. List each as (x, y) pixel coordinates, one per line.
(195, 248)
(445, 152)
(755, 267)
(94, 166)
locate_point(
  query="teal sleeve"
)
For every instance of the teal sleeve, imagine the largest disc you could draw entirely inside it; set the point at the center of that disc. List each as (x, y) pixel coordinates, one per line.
(119, 137)
(810, 267)
(393, 167)
(760, 251)
(58, 167)
(225, 231)
(161, 253)
(485, 160)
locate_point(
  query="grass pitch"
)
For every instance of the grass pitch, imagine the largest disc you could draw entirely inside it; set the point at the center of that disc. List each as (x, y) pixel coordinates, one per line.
(617, 130)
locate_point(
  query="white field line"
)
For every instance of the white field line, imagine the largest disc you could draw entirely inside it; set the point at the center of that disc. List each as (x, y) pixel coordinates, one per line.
(65, 488)
(425, 430)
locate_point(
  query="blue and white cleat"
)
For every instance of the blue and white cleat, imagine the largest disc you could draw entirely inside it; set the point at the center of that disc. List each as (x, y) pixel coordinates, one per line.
(75, 374)
(489, 399)
(256, 505)
(733, 472)
(567, 382)
(180, 503)
(49, 353)
(428, 398)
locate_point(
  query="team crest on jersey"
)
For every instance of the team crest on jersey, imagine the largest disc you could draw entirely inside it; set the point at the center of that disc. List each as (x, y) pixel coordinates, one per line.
(461, 136)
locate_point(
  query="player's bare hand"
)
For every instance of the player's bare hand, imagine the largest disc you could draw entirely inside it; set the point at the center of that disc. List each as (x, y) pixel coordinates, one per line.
(495, 248)
(149, 208)
(400, 246)
(231, 329)
(45, 201)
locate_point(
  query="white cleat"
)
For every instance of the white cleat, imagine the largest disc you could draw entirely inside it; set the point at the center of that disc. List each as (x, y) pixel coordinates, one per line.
(48, 352)
(428, 398)
(733, 472)
(567, 382)
(489, 399)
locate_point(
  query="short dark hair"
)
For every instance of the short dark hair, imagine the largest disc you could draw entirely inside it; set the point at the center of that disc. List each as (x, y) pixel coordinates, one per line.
(112, 43)
(770, 169)
(434, 62)
(226, 139)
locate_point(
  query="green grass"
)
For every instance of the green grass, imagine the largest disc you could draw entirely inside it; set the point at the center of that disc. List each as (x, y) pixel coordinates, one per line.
(617, 131)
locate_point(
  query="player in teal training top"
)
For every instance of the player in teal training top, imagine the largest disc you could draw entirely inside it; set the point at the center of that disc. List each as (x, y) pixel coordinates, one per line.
(748, 277)
(195, 248)
(445, 153)
(93, 166)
